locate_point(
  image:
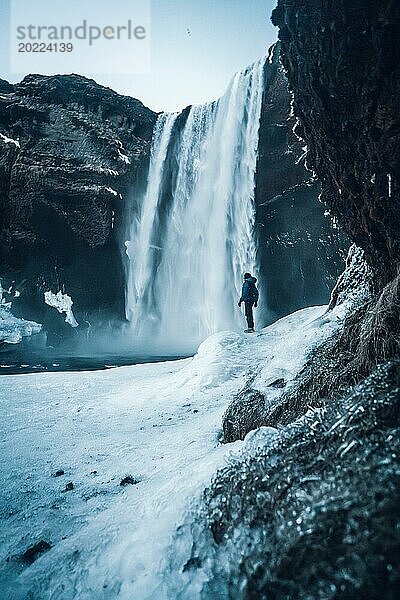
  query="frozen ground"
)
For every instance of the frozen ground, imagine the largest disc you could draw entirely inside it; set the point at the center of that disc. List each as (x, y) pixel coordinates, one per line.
(159, 423)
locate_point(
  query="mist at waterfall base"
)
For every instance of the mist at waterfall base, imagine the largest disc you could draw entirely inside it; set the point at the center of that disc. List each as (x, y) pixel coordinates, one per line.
(85, 356)
(62, 343)
(193, 236)
(102, 345)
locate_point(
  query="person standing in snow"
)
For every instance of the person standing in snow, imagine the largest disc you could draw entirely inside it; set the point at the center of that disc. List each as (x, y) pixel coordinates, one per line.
(250, 298)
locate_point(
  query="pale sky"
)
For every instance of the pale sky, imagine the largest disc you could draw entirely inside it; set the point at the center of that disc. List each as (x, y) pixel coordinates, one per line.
(196, 47)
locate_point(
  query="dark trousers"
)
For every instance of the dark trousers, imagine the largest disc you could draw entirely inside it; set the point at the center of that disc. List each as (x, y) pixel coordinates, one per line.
(248, 311)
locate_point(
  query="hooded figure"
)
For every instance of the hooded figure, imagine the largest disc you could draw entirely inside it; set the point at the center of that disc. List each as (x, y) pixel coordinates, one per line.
(250, 298)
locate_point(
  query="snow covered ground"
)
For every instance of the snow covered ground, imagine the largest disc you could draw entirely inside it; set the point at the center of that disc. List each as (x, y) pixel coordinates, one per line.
(159, 423)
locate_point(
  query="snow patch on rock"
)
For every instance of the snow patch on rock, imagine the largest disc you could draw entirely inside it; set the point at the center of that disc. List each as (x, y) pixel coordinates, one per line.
(63, 303)
(112, 191)
(8, 140)
(121, 154)
(354, 286)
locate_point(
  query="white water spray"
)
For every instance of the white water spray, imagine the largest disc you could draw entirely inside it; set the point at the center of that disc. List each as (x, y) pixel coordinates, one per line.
(195, 235)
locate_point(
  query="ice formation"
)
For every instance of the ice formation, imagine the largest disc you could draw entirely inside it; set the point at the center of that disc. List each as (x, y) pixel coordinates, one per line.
(63, 303)
(8, 140)
(13, 329)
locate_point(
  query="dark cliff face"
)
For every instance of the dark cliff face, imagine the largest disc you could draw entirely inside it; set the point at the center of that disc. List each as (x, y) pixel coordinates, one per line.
(299, 250)
(71, 153)
(343, 63)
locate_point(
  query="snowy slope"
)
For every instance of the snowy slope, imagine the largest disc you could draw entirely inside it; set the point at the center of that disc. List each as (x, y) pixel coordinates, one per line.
(159, 423)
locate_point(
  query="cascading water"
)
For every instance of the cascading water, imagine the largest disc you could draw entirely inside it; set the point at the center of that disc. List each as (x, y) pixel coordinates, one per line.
(194, 237)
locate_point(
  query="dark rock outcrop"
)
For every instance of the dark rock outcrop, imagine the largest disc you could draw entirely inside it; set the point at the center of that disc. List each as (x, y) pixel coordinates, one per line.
(300, 252)
(343, 64)
(71, 152)
(33, 553)
(246, 412)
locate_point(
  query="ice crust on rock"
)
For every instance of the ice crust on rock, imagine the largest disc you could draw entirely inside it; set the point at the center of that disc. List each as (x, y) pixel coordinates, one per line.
(13, 329)
(63, 303)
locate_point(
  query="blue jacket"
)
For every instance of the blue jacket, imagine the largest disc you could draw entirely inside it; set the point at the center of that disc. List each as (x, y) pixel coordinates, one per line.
(249, 290)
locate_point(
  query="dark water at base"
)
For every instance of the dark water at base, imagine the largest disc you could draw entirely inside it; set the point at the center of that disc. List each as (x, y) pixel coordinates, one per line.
(17, 361)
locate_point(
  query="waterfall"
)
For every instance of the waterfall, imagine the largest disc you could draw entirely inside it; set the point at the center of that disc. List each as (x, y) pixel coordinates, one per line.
(194, 236)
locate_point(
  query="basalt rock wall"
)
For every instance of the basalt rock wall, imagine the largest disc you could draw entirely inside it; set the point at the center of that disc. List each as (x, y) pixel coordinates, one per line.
(72, 154)
(300, 251)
